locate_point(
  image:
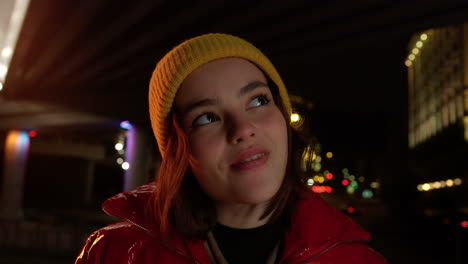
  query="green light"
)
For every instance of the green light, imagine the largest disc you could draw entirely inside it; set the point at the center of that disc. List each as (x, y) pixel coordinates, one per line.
(367, 194)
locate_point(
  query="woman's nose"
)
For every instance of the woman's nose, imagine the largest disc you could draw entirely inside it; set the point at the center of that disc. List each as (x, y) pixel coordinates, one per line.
(240, 129)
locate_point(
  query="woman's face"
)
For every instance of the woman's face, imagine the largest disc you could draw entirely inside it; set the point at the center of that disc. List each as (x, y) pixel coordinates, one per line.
(237, 135)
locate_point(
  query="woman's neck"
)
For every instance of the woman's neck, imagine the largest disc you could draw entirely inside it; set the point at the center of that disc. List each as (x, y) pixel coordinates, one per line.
(241, 215)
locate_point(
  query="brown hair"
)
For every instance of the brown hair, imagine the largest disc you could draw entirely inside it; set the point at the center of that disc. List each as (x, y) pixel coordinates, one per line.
(181, 205)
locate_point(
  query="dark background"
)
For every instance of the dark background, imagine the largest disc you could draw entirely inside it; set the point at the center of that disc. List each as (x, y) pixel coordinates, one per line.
(80, 67)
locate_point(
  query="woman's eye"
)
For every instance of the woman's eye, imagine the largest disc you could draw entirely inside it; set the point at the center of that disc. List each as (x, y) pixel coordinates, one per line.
(204, 119)
(259, 100)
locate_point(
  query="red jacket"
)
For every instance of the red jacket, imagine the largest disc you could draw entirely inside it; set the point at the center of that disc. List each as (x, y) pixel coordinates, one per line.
(320, 234)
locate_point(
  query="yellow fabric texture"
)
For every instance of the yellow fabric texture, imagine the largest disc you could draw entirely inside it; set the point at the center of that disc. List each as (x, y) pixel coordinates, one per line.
(183, 59)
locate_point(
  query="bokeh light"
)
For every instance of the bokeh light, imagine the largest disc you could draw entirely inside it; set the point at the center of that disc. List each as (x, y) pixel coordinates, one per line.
(367, 194)
(317, 167)
(6, 52)
(295, 117)
(119, 146)
(449, 182)
(350, 210)
(426, 187)
(464, 224)
(126, 125)
(322, 189)
(32, 133)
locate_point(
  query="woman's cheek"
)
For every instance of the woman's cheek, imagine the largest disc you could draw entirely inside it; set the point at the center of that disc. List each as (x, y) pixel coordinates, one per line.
(203, 145)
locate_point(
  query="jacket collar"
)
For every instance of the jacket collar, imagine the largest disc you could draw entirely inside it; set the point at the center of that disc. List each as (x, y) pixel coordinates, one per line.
(316, 226)
(132, 207)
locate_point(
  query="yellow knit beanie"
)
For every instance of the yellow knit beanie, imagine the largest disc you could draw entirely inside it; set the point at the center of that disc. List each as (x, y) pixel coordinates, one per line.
(182, 60)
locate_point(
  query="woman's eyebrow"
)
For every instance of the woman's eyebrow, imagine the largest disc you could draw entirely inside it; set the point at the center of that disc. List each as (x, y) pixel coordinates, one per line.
(198, 104)
(251, 86)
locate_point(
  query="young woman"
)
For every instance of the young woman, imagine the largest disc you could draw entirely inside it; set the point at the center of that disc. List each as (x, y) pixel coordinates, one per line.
(227, 190)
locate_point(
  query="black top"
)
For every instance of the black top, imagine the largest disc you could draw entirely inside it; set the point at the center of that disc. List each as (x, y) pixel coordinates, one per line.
(252, 245)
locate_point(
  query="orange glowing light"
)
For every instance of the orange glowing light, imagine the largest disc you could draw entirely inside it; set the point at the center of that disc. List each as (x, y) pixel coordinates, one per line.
(322, 189)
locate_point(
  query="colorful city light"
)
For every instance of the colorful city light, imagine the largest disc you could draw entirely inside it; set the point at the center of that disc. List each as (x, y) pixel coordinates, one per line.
(126, 125)
(350, 210)
(464, 224)
(32, 133)
(322, 189)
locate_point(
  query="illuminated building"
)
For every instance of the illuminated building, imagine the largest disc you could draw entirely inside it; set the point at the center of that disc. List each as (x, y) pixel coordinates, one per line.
(437, 65)
(437, 82)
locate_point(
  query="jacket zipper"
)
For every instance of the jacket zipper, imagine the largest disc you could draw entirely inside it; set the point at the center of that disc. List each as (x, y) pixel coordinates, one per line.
(330, 247)
(149, 233)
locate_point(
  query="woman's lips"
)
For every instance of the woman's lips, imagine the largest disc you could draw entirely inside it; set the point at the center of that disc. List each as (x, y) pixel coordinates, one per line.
(250, 159)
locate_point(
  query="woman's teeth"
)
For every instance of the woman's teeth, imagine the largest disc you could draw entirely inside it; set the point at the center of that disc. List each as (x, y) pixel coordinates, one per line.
(254, 157)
